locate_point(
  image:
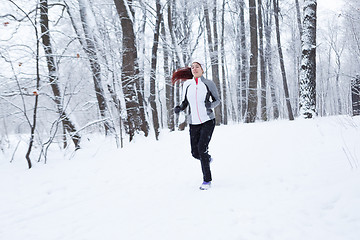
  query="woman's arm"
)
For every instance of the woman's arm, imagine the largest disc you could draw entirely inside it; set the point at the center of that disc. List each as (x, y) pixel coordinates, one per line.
(214, 93)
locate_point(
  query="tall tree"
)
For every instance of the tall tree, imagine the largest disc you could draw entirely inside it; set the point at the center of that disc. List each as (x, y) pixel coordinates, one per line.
(169, 89)
(153, 70)
(213, 50)
(172, 17)
(244, 60)
(269, 59)
(68, 125)
(222, 46)
(297, 54)
(176, 58)
(142, 47)
(262, 62)
(215, 63)
(298, 17)
(281, 59)
(129, 73)
(252, 97)
(307, 101)
(239, 67)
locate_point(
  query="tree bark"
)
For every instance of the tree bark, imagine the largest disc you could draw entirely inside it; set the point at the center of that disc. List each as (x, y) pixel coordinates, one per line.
(169, 90)
(142, 48)
(298, 17)
(268, 59)
(297, 55)
(213, 49)
(253, 98)
(262, 63)
(355, 95)
(244, 60)
(215, 65)
(222, 44)
(153, 70)
(307, 101)
(281, 59)
(239, 67)
(133, 98)
(171, 11)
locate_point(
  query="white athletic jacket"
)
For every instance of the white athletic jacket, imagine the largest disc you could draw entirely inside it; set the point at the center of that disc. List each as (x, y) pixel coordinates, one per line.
(195, 95)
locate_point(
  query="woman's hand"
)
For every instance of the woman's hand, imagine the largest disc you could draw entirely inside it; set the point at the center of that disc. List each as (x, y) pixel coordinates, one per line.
(208, 105)
(177, 109)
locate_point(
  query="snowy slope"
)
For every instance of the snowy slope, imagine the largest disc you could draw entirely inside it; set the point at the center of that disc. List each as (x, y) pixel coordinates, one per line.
(277, 180)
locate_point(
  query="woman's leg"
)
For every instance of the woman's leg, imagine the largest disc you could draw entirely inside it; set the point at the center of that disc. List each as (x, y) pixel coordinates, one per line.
(206, 132)
(194, 140)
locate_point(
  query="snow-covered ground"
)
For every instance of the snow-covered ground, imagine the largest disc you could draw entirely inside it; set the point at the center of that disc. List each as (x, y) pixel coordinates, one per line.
(281, 180)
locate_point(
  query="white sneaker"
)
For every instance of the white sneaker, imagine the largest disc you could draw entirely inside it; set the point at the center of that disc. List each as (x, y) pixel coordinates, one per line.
(205, 186)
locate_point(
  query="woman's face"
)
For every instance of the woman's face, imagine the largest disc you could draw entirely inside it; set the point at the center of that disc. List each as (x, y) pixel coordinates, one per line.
(196, 70)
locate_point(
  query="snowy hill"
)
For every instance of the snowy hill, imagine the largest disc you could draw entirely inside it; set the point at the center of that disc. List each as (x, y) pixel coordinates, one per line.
(276, 180)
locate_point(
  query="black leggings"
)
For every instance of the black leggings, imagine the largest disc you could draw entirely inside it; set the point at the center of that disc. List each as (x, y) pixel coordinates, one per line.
(200, 136)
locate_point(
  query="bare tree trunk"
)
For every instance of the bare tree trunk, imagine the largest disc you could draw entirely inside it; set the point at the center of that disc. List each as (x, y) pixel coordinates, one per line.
(244, 59)
(153, 70)
(215, 64)
(175, 54)
(238, 84)
(253, 98)
(133, 98)
(169, 90)
(337, 79)
(307, 100)
(298, 16)
(171, 17)
(222, 44)
(68, 125)
(355, 95)
(262, 63)
(183, 31)
(268, 58)
(281, 58)
(298, 54)
(142, 46)
(213, 49)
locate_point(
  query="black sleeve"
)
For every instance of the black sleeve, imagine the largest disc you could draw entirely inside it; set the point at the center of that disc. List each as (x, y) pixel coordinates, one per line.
(184, 104)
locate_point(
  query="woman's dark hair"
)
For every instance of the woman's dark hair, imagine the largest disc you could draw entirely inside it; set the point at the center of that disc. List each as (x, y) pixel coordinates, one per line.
(182, 74)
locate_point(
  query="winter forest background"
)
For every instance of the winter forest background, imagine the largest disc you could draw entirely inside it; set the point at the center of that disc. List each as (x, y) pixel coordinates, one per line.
(71, 69)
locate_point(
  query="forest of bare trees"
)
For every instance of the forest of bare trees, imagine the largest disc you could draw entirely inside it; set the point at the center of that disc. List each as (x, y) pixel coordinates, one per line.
(76, 68)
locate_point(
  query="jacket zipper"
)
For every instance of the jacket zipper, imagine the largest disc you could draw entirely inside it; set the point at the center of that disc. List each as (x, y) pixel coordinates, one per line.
(197, 104)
